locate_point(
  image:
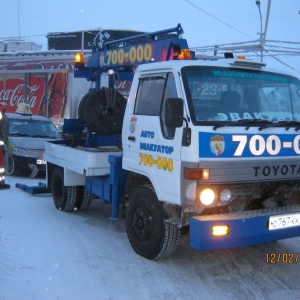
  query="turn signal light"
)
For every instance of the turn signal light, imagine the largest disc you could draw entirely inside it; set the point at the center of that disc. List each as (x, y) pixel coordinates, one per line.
(220, 230)
(196, 174)
(241, 57)
(79, 60)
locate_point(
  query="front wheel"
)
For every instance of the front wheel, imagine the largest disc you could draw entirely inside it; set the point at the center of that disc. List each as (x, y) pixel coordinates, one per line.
(148, 233)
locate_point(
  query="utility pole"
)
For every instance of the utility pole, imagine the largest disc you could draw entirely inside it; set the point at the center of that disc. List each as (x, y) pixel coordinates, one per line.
(267, 19)
(262, 34)
(261, 39)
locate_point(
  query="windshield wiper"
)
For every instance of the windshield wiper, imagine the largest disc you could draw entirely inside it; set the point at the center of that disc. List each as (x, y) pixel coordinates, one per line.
(262, 122)
(289, 124)
(41, 136)
(223, 124)
(267, 124)
(248, 122)
(19, 134)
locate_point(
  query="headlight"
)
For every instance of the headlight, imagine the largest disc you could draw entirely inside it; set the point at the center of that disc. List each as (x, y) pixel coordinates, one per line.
(207, 196)
(226, 195)
(20, 152)
(2, 170)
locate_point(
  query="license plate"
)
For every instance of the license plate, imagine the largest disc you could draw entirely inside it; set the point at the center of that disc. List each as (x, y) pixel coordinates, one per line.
(40, 162)
(284, 221)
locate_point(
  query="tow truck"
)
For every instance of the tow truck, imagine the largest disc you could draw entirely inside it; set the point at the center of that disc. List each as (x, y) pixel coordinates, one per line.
(207, 147)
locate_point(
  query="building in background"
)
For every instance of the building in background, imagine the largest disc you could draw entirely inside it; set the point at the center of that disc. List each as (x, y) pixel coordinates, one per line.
(16, 45)
(85, 39)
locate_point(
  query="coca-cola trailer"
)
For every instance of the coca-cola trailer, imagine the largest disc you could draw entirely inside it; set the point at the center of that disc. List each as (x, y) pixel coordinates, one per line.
(43, 79)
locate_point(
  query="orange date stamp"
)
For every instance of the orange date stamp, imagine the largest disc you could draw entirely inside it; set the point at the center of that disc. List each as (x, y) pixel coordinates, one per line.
(282, 258)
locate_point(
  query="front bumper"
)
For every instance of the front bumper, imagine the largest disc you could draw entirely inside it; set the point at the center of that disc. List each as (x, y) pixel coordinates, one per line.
(23, 163)
(245, 228)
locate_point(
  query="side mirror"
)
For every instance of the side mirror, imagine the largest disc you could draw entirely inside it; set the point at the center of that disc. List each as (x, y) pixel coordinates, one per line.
(174, 112)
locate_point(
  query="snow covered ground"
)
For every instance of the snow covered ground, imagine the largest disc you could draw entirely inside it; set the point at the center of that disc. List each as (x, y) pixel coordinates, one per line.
(48, 254)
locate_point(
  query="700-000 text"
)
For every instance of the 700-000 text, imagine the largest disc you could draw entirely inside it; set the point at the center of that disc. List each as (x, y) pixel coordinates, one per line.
(160, 162)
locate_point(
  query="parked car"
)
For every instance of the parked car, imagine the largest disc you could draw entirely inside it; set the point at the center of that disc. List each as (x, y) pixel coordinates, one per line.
(27, 135)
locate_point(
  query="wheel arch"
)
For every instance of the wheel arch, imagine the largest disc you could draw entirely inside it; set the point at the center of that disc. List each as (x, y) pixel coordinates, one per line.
(49, 171)
(172, 211)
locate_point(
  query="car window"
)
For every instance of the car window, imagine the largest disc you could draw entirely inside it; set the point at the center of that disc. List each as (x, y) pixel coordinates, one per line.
(32, 128)
(149, 95)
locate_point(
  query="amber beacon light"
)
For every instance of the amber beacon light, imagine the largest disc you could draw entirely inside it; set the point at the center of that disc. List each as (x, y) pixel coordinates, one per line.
(79, 60)
(185, 54)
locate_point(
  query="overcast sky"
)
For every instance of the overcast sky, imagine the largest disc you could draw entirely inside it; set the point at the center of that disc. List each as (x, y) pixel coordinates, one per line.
(204, 22)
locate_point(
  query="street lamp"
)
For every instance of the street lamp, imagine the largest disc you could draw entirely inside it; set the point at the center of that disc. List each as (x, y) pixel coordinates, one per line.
(261, 32)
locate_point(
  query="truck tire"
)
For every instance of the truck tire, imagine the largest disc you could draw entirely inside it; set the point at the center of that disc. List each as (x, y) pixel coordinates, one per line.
(103, 116)
(64, 196)
(83, 198)
(148, 233)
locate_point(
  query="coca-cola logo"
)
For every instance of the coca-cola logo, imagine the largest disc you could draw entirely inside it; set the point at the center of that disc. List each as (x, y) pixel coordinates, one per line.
(42, 64)
(13, 92)
(49, 66)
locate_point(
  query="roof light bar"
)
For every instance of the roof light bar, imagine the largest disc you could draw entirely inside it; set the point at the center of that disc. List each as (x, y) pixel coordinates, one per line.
(247, 63)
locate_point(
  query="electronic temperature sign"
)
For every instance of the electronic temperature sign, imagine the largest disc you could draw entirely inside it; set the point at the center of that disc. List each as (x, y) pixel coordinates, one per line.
(154, 51)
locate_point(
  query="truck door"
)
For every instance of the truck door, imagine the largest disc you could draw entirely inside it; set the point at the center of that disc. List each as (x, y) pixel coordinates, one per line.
(151, 148)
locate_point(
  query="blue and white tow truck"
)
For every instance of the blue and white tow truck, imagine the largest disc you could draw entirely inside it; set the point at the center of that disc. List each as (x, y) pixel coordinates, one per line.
(207, 147)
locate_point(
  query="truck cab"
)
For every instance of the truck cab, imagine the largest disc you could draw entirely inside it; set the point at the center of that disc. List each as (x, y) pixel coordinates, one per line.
(235, 150)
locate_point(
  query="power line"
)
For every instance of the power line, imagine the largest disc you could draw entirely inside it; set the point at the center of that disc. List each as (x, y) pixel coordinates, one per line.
(218, 19)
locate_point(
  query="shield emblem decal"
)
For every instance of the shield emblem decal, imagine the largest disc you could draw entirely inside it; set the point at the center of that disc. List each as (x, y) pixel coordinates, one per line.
(217, 145)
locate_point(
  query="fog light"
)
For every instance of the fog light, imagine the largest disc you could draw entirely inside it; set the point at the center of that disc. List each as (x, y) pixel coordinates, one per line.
(220, 230)
(207, 196)
(226, 195)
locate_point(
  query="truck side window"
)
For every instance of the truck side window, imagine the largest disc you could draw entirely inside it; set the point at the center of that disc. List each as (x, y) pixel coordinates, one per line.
(149, 96)
(169, 92)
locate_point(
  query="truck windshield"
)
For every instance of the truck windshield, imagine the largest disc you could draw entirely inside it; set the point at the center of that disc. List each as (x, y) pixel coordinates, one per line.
(233, 95)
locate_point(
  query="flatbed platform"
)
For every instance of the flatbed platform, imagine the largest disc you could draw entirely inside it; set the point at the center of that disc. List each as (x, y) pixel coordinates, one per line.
(72, 155)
